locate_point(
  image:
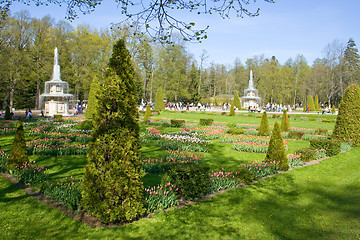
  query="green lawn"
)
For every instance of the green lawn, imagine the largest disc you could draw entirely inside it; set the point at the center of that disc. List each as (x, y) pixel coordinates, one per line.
(316, 202)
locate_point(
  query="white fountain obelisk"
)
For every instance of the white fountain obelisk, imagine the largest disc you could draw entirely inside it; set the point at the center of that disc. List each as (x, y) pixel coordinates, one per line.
(56, 98)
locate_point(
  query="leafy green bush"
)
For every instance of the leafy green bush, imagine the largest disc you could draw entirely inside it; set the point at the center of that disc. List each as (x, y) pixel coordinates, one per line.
(7, 113)
(296, 135)
(58, 116)
(223, 113)
(307, 154)
(276, 150)
(321, 131)
(147, 113)
(84, 125)
(237, 102)
(345, 147)
(232, 110)
(206, 121)
(264, 129)
(177, 123)
(285, 125)
(192, 181)
(332, 147)
(18, 154)
(235, 131)
(231, 125)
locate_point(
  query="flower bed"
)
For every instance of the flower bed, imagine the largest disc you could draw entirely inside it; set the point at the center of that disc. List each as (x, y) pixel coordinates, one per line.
(161, 197)
(261, 169)
(55, 147)
(171, 157)
(183, 142)
(205, 133)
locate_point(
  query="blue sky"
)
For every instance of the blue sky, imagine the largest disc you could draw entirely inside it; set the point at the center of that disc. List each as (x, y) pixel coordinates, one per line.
(283, 29)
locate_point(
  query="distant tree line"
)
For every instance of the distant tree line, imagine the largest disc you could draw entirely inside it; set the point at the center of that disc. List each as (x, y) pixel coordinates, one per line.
(26, 56)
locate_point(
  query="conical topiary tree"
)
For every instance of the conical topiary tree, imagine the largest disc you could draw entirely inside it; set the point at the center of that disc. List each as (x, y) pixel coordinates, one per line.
(18, 154)
(237, 102)
(147, 113)
(347, 126)
(316, 102)
(92, 104)
(285, 125)
(7, 113)
(276, 150)
(264, 129)
(232, 110)
(159, 100)
(112, 188)
(310, 102)
(333, 110)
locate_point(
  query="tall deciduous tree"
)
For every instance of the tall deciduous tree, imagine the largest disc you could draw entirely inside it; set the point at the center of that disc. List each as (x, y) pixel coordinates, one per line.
(112, 188)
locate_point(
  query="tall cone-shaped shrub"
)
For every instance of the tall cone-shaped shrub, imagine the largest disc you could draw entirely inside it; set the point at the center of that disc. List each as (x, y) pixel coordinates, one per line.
(276, 150)
(285, 125)
(316, 102)
(264, 129)
(347, 126)
(232, 110)
(91, 109)
(310, 102)
(159, 99)
(147, 113)
(7, 113)
(113, 189)
(18, 154)
(237, 102)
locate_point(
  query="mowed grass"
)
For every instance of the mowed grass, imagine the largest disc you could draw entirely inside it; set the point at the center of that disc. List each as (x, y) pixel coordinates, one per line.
(315, 202)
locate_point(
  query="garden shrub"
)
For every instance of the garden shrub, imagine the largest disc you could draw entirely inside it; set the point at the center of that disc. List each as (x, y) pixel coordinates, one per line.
(296, 135)
(316, 102)
(333, 110)
(237, 102)
(177, 123)
(206, 121)
(307, 154)
(232, 110)
(192, 181)
(91, 108)
(264, 129)
(7, 113)
(223, 113)
(58, 116)
(347, 126)
(276, 149)
(18, 154)
(321, 131)
(147, 113)
(310, 103)
(332, 147)
(112, 189)
(235, 131)
(84, 125)
(231, 125)
(159, 100)
(326, 120)
(285, 125)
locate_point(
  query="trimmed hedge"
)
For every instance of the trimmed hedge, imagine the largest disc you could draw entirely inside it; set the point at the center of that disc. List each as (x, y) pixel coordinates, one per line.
(307, 154)
(192, 180)
(206, 121)
(296, 135)
(235, 131)
(177, 123)
(58, 116)
(332, 147)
